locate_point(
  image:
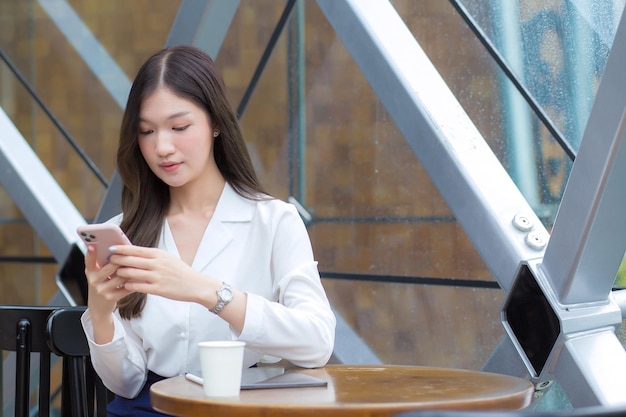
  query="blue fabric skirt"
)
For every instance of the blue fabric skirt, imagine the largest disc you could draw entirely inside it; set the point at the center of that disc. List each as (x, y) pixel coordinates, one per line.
(136, 407)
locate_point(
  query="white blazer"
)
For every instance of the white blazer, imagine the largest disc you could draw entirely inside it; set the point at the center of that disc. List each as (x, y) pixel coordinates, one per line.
(259, 247)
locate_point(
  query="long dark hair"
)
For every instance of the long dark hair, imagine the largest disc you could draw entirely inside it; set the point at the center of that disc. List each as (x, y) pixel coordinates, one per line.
(190, 74)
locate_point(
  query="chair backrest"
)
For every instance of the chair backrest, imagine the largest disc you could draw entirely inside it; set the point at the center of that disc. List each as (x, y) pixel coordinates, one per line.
(23, 331)
(45, 330)
(83, 392)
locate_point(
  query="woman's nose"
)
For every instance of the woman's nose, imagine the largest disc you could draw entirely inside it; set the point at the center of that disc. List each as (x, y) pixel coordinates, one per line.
(163, 145)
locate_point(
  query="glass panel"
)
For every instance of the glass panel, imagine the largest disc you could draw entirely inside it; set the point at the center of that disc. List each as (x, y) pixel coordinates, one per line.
(77, 81)
(348, 165)
(130, 31)
(244, 45)
(316, 133)
(319, 134)
(265, 119)
(564, 47)
(70, 171)
(421, 325)
(22, 281)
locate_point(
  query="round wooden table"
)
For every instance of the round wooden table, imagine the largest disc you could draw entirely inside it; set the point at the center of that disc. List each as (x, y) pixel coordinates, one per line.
(353, 390)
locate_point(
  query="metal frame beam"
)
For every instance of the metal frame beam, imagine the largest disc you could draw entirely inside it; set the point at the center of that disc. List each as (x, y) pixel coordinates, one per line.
(589, 235)
(587, 245)
(40, 198)
(203, 24)
(467, 173)
(576, 268)
(46, 207)
(494, 214)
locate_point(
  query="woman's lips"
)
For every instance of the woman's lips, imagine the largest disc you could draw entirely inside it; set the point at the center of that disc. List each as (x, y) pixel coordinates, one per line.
(169, 166)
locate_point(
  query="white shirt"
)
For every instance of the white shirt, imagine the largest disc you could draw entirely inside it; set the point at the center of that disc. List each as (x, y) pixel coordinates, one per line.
(259, 247)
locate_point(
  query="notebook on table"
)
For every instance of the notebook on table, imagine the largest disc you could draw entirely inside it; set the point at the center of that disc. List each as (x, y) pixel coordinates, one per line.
(269, 377)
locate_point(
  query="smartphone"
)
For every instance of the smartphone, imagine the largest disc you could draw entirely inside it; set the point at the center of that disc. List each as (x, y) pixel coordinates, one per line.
(102, 236)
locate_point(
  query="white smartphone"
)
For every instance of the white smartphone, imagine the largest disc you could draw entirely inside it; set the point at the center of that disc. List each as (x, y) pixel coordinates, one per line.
(102, 236)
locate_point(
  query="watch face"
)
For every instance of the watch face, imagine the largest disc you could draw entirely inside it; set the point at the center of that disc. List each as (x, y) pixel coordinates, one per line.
(225, 294)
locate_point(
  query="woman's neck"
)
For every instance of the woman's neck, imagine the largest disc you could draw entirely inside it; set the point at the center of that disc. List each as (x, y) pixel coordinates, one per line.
(200, 197)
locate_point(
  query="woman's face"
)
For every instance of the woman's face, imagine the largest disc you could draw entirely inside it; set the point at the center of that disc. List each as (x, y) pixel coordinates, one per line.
(175, 138)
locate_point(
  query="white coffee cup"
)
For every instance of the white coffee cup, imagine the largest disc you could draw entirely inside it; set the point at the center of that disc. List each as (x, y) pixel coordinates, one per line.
(222, 363)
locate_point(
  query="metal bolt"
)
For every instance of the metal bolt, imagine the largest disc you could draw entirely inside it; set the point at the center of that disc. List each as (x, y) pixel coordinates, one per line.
(536, 240)
(522, 223)
(543, 385)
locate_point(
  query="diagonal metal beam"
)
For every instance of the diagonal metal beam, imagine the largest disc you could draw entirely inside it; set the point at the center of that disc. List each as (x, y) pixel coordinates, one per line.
(580, 267)
(89, 48)
(587, 245)
(349, 347)
(589, 234)
(484, 199)
(494, 214)
(31, 186)
(45, 206)
(203, 23)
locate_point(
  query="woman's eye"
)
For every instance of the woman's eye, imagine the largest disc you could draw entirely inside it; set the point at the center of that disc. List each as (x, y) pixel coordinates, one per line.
(145, 131)
(180, 128)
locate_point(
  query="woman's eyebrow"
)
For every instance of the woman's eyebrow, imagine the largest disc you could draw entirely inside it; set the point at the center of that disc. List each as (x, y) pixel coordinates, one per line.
(180, 113)
(170, 117)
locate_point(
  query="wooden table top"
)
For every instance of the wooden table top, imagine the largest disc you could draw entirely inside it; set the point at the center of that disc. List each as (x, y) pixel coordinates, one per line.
(353, 390)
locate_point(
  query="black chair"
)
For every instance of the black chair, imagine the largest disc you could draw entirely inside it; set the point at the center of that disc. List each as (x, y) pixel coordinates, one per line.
(83, 392)
(23, 330)
(46, 329)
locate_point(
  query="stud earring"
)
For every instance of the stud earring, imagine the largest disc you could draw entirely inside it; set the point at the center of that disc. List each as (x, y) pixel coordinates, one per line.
(216, 134)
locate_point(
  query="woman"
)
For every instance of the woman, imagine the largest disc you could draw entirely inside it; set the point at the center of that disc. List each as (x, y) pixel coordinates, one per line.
(213, 256)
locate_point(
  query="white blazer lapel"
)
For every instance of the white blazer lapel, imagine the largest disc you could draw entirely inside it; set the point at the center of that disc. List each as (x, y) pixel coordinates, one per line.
(230, 208)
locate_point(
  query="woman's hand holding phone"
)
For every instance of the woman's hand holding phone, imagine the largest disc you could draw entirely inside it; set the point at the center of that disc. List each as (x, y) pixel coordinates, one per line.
(102, 236)
(146, 270)
(104, 287)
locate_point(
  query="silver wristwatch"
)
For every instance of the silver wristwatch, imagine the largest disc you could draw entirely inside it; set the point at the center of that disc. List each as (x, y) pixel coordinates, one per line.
(224, 296)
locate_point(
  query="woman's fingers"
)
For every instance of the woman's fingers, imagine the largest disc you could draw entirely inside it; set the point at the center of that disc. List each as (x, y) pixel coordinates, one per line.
(90, 258)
